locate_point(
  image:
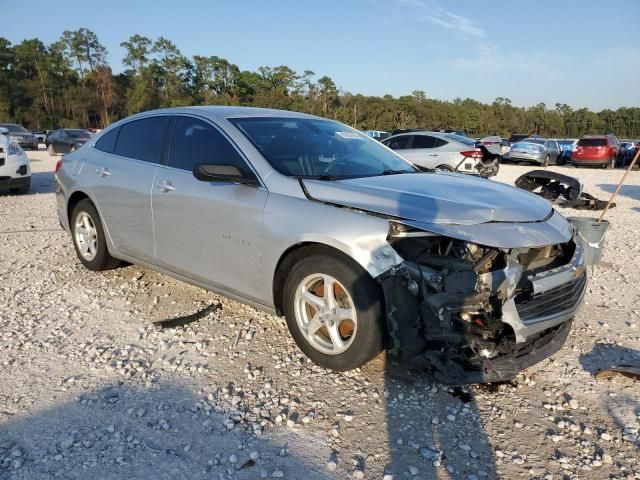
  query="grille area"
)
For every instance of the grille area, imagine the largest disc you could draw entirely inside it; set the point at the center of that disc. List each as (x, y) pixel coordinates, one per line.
(553, 301)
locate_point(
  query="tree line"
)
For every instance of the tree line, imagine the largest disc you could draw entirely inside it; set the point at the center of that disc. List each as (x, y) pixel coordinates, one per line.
(69, 83)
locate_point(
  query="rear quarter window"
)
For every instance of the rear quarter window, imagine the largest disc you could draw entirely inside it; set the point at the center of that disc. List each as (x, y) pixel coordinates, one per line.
(142, 139)
(107, 142)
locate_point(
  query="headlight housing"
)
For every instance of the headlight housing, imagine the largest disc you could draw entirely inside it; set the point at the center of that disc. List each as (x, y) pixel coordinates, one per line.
(14, 149)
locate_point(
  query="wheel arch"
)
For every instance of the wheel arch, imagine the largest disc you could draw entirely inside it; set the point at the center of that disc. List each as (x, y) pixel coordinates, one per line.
(296, 251)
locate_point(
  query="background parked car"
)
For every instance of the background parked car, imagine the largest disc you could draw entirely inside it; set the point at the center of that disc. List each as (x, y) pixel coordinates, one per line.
(20, 135)
(536, 150)
(445, 151)
(41, 135)
(518, 137)
(596, 151)
(566, 148)
(66, 140)
(377, 134)
(627, 151)
(15, 172)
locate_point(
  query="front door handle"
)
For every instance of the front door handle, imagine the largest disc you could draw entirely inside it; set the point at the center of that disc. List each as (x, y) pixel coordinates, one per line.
(103, 172)
(165, 186)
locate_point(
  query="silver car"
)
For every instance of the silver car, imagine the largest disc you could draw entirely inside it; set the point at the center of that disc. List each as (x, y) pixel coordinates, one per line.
(537, 150)
(306, 217)
(445, 151)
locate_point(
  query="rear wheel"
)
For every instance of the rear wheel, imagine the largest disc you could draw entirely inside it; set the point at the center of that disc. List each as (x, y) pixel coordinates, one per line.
(333, 311)
(51, 150)
(611, 164)
(89, 239)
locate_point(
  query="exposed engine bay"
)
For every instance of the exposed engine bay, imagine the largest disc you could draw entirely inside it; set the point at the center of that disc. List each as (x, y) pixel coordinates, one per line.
(471, 310)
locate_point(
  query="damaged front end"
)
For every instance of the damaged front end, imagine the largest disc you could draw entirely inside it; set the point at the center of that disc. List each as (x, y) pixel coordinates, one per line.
(479, 314)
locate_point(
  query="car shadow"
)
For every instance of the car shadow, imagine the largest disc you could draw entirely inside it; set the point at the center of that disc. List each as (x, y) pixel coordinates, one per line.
(124, 431)
(434, 431)
(631, 191)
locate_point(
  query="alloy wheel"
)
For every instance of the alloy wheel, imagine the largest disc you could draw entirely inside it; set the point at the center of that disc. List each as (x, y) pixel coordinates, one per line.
(86, 236)
(325, 314)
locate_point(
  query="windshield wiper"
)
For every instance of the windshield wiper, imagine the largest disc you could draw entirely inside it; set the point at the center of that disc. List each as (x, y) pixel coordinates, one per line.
(395, 172)
(325, 177)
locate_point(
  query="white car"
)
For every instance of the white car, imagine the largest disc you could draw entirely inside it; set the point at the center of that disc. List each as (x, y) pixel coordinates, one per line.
(15, 172)
(445, 151)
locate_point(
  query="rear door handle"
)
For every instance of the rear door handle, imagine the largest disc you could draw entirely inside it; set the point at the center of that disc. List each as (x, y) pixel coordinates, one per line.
(165, 186)
(103, 172)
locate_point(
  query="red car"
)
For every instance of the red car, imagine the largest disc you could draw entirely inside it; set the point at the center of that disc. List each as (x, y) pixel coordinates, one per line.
(596, 151)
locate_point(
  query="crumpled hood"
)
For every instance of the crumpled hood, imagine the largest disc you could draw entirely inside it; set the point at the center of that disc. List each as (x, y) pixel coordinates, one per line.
(434, 198)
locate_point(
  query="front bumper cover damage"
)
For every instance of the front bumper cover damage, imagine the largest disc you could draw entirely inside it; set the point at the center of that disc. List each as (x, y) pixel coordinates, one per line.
(483, 319)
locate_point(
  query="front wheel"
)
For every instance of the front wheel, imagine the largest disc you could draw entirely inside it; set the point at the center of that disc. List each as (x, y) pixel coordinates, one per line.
(89, 239)
(545, 163)
(333, 311)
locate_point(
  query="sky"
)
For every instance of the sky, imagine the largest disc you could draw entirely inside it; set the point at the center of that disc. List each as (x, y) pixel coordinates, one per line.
(582, 53)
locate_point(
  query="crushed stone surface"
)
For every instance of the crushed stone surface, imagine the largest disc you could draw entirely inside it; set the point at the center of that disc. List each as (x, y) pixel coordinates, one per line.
(91, 386)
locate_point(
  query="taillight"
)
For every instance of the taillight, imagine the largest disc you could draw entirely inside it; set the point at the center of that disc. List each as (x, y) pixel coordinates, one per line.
(58, 166)
(472, 153)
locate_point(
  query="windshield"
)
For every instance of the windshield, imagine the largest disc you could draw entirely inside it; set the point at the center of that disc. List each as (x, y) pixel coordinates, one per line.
(78, 133)
(533, 140)
(13, 128)
(313, 148)
(565, 142)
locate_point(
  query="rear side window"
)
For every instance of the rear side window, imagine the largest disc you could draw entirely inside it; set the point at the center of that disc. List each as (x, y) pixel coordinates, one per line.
(400, 143)
(439, 143)
(107, 142)
(592, 142)
(423, 141)
(195, 142)
(142, 139)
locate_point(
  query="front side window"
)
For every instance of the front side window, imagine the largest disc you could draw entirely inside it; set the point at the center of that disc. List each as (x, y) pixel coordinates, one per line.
(195, 142)
(142, 139)
(317, 148)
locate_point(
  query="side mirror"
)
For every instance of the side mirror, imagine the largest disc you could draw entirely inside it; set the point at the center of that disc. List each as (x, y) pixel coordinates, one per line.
(223, 173)
(3, 130)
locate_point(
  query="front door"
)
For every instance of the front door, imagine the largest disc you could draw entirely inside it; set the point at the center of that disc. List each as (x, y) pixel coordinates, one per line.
(207, 231)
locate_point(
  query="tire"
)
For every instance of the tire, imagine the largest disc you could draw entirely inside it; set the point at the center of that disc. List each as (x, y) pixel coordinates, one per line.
(51, 150)
(611, 164)
(99, 259)
(445, 168)
(353, 287)
(545, 163)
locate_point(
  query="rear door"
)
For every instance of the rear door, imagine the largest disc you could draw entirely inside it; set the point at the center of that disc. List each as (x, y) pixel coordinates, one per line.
(207, 231)
(122, 174)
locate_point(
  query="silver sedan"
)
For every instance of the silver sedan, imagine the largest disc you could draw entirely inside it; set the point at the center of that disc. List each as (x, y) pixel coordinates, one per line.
(536, 150)
(309, 218)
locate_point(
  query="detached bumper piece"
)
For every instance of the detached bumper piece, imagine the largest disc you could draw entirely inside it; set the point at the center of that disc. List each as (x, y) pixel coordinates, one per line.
(561, 190)
(478, 314)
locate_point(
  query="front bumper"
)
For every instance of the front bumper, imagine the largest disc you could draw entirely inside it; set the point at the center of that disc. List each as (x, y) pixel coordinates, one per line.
(29, 144)
(10, 182)
(521, 318)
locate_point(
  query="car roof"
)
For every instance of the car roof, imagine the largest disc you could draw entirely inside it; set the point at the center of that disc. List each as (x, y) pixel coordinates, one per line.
(217, 112)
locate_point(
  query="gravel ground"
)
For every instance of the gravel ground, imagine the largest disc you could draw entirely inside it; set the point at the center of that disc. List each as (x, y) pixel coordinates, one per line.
(92, 387)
